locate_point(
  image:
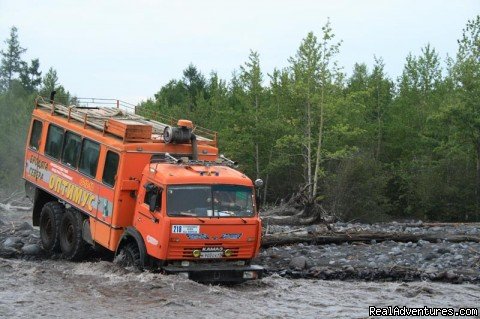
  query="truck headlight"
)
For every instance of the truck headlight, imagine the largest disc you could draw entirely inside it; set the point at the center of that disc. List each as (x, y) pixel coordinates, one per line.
(196, 253)
(228, 253)
(249, 275)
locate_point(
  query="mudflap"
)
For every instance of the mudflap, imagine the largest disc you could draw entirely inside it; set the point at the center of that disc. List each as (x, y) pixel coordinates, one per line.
(217, 275)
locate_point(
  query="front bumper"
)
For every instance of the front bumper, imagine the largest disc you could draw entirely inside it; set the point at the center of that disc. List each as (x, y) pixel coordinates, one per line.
(217, 274)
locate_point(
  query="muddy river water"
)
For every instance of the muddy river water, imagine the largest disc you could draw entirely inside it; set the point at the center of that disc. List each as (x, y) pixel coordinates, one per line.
(46, 288)
(60, 289)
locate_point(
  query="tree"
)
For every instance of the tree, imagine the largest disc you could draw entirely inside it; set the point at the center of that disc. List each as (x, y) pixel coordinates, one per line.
(381, 95)
(31, 76)
(194, 82)
(314, 72)
(327, 73)
(11, 58)
(305, 68)
(251, 78)
(50, 83)
(466, 74)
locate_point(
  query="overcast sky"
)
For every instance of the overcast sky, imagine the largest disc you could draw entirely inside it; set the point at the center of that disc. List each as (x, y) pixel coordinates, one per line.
(129, 49)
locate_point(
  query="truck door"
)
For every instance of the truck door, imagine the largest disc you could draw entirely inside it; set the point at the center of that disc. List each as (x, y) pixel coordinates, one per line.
(148, 217)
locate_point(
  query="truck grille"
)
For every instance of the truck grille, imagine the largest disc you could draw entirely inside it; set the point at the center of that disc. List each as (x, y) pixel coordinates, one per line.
(185, 250)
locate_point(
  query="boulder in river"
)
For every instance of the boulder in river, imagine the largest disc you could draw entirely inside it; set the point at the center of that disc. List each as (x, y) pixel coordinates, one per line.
(298, 263)
(31, 249)
(25, 226)
(13, 242)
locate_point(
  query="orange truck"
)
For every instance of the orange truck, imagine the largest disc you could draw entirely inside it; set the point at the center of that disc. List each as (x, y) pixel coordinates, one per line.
(157, 195)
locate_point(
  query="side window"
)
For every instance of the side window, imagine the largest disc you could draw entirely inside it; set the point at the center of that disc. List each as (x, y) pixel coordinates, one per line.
(36, 134)
(110, 169)
(71, 149)
(89, 157)
(54, 141)
(153, 196)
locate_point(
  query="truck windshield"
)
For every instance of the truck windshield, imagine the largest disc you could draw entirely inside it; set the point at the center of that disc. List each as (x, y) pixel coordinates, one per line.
(209, 201)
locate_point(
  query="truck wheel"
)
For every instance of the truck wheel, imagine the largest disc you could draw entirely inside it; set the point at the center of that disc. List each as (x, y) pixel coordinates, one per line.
(71, 242)
(129, 256)
(50, 220)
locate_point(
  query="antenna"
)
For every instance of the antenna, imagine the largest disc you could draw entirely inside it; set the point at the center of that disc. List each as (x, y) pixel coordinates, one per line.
(173, 159)
(229, 161)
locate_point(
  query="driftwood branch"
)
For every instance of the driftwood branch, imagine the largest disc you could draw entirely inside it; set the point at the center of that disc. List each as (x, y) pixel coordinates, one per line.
(340, 238)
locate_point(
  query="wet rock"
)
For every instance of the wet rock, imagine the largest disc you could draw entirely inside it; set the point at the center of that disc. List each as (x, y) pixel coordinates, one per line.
(422, 243)
(24, 233)
(298, 263)
(349, 269)
(32, 249)
(431, 256)
(383, 258)
(451, 275)
(8, 252)
(443, 251)
(13, 242)
(25, 226)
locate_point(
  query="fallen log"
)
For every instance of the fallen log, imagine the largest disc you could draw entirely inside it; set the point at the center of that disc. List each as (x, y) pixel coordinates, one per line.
(340, 238)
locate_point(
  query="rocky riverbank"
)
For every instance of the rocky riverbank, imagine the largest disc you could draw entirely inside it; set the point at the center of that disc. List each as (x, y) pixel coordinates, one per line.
(20, 240)
(387, 260)
(444, 261)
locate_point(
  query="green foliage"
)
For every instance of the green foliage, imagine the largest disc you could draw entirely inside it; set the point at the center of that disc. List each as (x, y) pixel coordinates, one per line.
(372, 148)
(365, 146)
(11, 59)
(20, 87)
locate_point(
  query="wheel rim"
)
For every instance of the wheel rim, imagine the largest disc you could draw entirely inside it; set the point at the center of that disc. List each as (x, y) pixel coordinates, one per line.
(47, 229)
(69, 234)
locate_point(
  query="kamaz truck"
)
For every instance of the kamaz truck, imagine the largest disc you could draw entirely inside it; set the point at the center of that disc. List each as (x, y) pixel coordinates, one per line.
(155, 192)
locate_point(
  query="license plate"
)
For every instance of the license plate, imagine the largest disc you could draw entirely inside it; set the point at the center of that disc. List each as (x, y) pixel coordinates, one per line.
(185, 229)
(211, 254)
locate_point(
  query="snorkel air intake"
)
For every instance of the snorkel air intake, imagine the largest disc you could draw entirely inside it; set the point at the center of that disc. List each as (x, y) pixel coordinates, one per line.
(182, 134)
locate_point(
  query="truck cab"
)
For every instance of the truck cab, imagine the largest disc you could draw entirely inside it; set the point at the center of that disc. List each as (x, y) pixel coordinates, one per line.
(198, 220)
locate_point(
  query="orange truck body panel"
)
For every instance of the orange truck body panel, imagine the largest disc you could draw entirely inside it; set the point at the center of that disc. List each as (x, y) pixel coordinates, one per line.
(113, 208)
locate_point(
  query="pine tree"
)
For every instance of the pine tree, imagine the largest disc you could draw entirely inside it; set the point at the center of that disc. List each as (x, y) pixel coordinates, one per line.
(31, 76)
(11, 58)
(195, 83)
(49, 82)
(251, 78)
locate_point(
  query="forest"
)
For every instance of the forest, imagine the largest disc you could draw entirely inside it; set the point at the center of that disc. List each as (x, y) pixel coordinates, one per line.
(363, 145)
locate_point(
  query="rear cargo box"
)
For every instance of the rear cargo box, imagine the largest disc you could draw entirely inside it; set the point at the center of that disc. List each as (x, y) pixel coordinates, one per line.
(129, 130)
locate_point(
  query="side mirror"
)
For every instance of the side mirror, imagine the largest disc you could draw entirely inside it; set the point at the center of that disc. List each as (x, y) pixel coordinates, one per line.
(258, 183)
(152, 205)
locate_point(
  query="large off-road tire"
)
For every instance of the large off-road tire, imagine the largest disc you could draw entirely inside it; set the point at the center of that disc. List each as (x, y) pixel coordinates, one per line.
(129, 256)
(71, 242)
(50, 220)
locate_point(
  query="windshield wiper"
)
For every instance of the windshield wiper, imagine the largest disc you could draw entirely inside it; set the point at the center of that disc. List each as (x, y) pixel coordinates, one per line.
(243, 220)
(191, 215)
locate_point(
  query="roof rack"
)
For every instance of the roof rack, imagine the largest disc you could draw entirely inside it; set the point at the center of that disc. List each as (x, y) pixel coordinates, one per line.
(108, 115)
